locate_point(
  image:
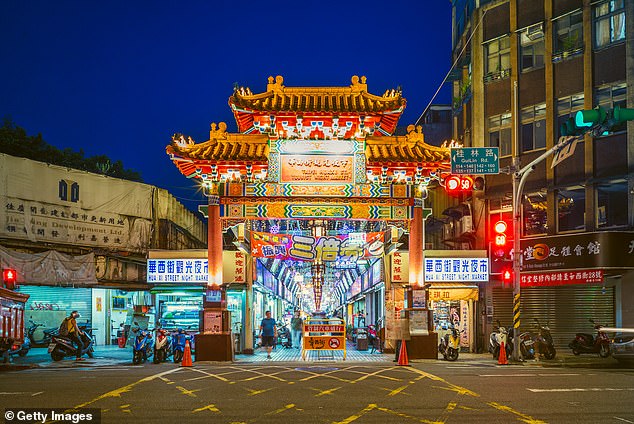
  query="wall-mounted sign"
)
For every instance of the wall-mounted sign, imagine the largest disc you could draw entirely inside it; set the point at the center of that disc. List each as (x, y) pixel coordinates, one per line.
(583, 251)
(307, 248)
(177, 271)
(456, 269)
(400, 267)
(325, 169)
(561, 278)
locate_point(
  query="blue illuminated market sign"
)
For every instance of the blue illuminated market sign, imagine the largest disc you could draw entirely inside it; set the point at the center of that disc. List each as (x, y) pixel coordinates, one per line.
(177, 271)
(456, 269)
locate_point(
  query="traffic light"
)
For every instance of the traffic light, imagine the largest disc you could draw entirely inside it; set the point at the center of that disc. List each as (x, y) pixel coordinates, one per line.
(500, 233)
(456, 184)
(590, 118)
(8, 278)
(507, 275)
(621, 114)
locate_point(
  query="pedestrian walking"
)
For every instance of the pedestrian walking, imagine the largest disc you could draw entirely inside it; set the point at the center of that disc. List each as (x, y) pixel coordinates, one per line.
(297, 324)
(268, 333)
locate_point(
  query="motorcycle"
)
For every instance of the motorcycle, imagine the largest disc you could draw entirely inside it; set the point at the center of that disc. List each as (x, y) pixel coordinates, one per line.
(587, 343)
(47, 334)
(449, 346)
(179, 339)
(284, 336)
(142, 347)
(20, 350)
(501, 334)
(544, 341)
(62, 346)
(162, 346)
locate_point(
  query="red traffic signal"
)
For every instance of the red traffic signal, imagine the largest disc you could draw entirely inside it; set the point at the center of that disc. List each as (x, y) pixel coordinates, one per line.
(9, 277)
(455, 184)
(500, 233)
(507, 275)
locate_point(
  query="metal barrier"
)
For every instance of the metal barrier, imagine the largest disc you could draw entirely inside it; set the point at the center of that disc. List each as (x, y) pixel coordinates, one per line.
(324, 335)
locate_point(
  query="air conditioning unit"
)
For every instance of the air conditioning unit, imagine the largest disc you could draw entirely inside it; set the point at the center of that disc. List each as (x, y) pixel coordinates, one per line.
(466, 224)
(535, 32)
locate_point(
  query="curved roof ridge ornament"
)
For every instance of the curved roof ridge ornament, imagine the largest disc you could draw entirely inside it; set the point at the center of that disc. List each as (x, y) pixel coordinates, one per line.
(220, 133)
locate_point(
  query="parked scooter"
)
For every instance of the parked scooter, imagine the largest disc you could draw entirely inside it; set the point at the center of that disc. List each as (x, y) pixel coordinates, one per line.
(47, 334)
(14, 349)
(449, 346)
(284, 336)
(142, 346)
(587, 343)
(501, 334)
(544, 341)
(162, 346)
(179, 339)
(61, 346)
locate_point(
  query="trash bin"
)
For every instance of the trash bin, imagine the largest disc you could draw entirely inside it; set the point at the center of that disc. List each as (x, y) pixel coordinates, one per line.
(362, 340)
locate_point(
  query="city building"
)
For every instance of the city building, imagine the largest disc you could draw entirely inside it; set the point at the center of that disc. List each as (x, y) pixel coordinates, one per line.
(524, 67)
(79, 241)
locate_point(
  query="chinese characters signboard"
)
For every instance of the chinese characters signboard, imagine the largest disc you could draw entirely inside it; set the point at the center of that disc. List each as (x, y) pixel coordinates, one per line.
(317, 169)
(560, 278)
(306, 248)
(400, 267)
(177, 271)
(456, 269)
(582, 251)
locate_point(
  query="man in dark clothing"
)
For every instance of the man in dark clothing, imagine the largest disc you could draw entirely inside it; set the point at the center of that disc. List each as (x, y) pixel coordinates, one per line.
(268, 332)
(296, 330)
(69, 326)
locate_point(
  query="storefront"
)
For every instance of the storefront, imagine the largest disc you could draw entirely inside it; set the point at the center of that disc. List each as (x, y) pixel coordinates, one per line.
(177, 307)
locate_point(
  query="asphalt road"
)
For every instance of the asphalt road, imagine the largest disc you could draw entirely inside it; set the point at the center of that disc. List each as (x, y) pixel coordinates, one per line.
(472, 390)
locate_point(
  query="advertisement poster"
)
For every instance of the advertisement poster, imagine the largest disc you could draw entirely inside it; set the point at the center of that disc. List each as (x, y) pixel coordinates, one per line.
(419, 300)
(418, 323)
(213, 322)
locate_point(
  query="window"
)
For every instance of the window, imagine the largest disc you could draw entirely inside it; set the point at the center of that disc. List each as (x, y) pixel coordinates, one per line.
(612, 205)
(532, 48)
(609, 23)
(500, 133)
(533, 127)
(566, 108)
(498, 58)
(535, 208)
(568, 35)
(609, 96)
(571, 206)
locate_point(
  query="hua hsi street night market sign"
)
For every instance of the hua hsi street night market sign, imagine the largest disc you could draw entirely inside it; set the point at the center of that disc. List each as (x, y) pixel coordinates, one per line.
(579, 251)
(177, 271)
(340, 248)
(456, 269)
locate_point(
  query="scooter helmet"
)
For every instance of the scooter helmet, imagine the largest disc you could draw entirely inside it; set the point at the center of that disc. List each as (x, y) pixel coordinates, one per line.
(75, 314)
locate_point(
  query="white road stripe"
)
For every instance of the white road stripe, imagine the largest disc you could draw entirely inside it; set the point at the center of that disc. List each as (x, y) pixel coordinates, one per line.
(589, 389)
(623, 419)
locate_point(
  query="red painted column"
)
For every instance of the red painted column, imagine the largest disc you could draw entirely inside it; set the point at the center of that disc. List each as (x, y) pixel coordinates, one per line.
(416, 247)
(214, 243)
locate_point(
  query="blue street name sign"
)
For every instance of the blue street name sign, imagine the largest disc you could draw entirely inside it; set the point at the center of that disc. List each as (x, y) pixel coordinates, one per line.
(475, 160)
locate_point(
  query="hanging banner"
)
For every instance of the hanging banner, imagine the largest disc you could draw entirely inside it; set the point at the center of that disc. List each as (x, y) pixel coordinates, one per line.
(339, 248)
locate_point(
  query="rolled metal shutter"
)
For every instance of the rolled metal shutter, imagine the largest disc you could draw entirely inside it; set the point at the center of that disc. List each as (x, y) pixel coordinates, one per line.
(503, 306)
(59, 299)
(566, 310)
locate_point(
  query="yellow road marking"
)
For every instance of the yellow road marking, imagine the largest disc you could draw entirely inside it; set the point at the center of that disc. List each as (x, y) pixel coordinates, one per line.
(211, 408)
(377, 374)
(326, 392)
(190, 393)
(451, 406)
(358, 415)
(326, 374)
(257, 392)
(400, 414)
(521, 417)
(282, 409)
(397, 391)
(121, 390)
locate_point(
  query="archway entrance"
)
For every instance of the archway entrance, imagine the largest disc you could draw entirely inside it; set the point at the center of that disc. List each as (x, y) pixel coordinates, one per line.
(317, 193)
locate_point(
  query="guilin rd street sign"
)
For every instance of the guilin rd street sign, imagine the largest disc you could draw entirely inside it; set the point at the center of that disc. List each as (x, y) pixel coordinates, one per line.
(475, 160)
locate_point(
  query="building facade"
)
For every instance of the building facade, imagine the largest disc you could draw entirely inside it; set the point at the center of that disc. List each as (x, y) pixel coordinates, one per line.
(525, 67)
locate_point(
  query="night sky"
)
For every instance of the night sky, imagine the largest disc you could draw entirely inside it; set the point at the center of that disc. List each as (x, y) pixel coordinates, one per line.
(119, 78)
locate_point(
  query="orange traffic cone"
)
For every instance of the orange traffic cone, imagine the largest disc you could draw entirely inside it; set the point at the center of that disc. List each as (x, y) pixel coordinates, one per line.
(187, 356)
(502, 360)
(402, 355)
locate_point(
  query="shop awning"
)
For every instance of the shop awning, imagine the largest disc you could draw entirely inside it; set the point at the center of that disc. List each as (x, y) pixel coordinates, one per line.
(453, 291)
